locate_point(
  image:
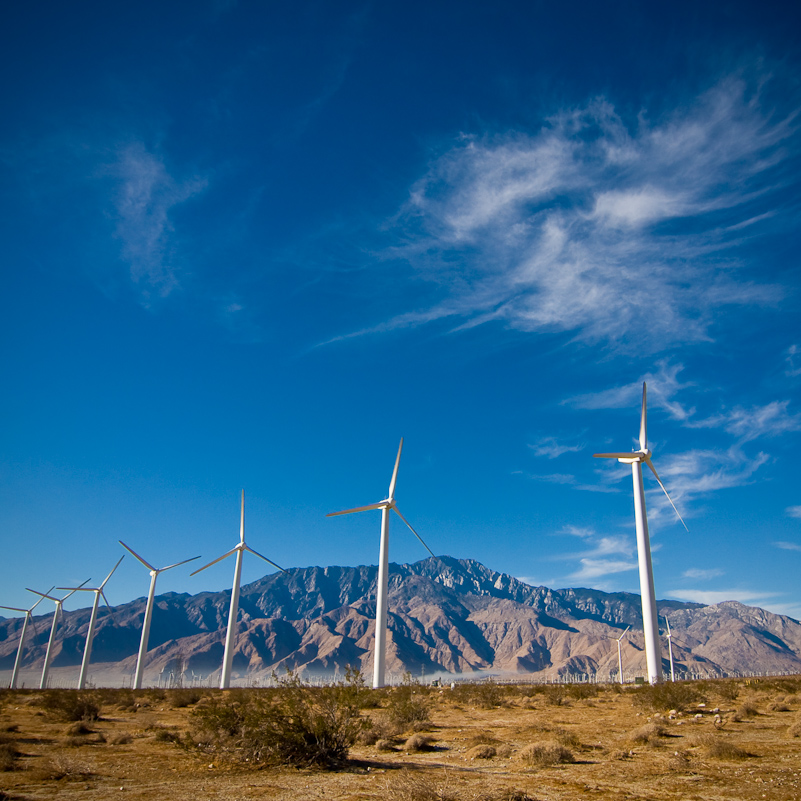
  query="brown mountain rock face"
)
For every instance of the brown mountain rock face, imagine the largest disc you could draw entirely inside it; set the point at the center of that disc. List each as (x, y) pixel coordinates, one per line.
(446, 615)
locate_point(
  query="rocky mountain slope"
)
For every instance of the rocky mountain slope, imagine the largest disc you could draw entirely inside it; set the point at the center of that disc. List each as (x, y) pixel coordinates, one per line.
(446, 616)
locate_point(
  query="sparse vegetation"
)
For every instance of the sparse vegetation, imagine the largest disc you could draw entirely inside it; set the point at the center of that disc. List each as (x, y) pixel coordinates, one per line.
(544, 754)
(159, 749)
(69, 705)
(668, 695)
(295, 724)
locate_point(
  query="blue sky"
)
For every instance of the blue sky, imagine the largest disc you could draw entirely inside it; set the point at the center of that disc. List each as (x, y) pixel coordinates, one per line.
(254, 244)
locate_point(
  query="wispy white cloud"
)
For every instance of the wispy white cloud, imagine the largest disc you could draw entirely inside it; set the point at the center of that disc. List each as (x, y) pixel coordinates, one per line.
(711, 597)
(770, 420)
(702, 573)
(578, 531)
(794, 511)
(621, 234)
(793, 361)
(663, 386)
(788, 546)
(551, 448)
(144, 201)
(597, 568)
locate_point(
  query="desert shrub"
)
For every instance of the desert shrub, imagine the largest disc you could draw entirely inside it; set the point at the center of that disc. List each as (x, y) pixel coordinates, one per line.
(8, 756)
(419, 742)
(412, 786)
(795, 729)
(555, 694)
(581, 691)
(164, 735)
(183, 697)
(778, 706)
(121, 738)
(484, 751)
(61, 767)
(544, 754)
(485, 694)
(728, 690)
(720, 748)
(648, 734)
(69, 705)
(78, 728)
(746, 710)
(294, 724)
(385, 744)
(667, 695)
(567, 738)
(407, 706)
(679, 761)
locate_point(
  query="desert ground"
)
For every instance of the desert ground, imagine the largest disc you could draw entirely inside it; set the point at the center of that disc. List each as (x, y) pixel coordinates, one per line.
(722, 739)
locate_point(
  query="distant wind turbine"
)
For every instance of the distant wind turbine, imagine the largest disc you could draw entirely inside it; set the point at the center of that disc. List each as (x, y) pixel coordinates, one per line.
(238, 549)
(98, 591)
(28, 619)
(620, 654)
(650, 620)
(154, 572)
(670, 648)
(388, 503)
(53, 627)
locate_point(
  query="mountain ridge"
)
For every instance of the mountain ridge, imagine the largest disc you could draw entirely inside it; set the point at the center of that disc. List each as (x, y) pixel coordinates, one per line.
(446, 615)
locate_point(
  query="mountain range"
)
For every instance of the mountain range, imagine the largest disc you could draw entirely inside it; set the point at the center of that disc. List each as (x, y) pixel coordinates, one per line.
(446, 616)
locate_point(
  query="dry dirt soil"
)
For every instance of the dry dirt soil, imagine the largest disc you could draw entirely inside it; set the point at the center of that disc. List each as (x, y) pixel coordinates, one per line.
(483, 743)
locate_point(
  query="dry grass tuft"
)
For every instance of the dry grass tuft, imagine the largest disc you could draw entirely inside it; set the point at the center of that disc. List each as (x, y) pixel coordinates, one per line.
(717, 747)
(648, 734)
(8, 756)
(419, 742)
(484, 751)
(61, 767)
(679, 761)
(385, 745)
(411, 786)
(121, 738)
(77, 729)
(795, 729)
(544, 754)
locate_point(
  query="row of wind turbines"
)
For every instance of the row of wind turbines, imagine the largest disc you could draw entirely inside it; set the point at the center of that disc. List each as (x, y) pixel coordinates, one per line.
(386, 506)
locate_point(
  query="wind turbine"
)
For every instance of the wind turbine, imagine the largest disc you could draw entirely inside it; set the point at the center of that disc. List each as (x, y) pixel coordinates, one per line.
(53, 627)
(650, 620)
(98, 591)
(154, 572)
(620, 654)
(28, 619)
(388, 503)
(239, 549)
(670, 648)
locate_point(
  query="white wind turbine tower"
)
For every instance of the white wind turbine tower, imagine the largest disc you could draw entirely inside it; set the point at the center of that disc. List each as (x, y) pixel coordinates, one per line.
(670, 648)
(618, 640)
(53, 627)
(98, 591)
(388, 503)
(650, 620)
(154, 572)
(28, 619)
(239, 549)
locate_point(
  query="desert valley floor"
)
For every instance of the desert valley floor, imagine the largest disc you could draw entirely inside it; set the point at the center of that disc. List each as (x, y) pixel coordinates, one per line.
(714, 740)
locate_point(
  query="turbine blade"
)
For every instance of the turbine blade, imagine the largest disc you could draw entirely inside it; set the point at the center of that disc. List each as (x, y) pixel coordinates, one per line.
(79, 587)
(242, 520)
(614, 455)
(110, 611)
(412, 530)
(177, 564)
(43, 594)
(395, 472)
(656, 475)
(41, 599)
(219, 559)
(14, 609)
(668, 624)
(623, 634)
(136, 555)
(256, 553)
(643, 423)
(358, 509)
(112, 572)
